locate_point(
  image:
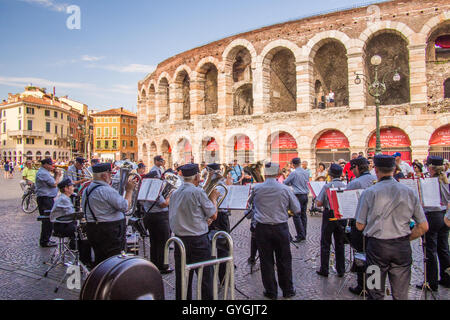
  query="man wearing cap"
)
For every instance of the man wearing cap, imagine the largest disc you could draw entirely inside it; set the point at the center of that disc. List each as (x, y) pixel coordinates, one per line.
(271, 201)
(330, 226)
(104, 209)
(299, 179)
(222, 223)
(141, 169)
(406, 168)
(383, 214)
(237, 173)
(46, 191)
(364, 180)
(436, 239)
(189, 212)
(93, 163)
(78, 176)
(63, 206)
(159, 163)
(156, 221)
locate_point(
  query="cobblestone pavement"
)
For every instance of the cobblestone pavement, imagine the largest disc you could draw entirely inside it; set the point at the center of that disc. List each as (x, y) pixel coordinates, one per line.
(22, 261)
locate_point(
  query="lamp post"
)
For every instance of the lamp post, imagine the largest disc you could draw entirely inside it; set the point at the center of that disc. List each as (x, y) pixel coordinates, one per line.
(376, 89)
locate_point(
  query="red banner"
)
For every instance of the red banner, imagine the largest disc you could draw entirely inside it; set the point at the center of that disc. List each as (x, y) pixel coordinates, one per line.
(243, 143)
(212, 145)
(284, 141)
(187, 147)
(283, 158)
(332, 140)
(390, 138)
(441, 137)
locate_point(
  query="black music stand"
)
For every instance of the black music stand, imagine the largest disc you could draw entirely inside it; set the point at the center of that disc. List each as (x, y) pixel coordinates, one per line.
(425, 286)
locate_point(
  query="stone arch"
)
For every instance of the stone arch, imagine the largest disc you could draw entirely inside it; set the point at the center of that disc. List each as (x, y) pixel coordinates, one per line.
(142, 106)
(210, 148)
(207, 60)
(151, 102)
(330, 145)
(393, 26)
(282, 146)
(241, 146)
(279, 70)
(392, 47)
(206, 85)
(234, 46)
(183, 150)
(163, 100)
(431, 25)
(310, 49)
(153, 152)
(408, 132)
(166, 153)
(181, 93)
(433, 52)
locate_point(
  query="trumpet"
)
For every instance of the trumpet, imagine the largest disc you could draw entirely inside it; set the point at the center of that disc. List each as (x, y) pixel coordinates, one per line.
(125, 171)
(213, 180)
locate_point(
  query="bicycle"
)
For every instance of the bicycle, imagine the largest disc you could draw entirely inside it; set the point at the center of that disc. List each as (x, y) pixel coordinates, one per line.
(29, 200)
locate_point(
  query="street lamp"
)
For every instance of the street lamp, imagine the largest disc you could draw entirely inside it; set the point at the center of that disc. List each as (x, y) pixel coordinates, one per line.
(376, 89)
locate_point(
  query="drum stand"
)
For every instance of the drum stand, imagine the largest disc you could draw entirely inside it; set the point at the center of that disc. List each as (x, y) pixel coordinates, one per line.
(425, 286)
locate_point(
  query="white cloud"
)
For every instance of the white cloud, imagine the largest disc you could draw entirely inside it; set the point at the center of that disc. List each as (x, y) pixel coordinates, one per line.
(50, 4)
(131, 68)
(90, 58)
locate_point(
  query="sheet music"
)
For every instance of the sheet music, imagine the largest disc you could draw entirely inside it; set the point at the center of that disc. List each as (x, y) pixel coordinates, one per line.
(412, 184)
(348, 201)
(236, 198)
(431, 193)
(150, 189)
(317, 186)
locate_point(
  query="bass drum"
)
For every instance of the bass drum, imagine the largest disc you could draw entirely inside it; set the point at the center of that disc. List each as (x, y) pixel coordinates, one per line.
(123, 278)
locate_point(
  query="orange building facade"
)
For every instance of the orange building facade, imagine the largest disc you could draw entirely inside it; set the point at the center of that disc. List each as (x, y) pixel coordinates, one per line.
(115, 135)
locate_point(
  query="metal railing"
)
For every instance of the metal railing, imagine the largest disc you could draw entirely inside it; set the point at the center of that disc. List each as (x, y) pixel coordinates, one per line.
(30, 133)
(186, 268)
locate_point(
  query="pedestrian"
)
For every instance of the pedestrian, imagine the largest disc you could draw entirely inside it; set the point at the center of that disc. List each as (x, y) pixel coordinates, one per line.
(237, 173)
(6, 167)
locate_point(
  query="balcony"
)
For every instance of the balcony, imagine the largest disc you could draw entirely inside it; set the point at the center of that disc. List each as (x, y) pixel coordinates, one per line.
(25, 133)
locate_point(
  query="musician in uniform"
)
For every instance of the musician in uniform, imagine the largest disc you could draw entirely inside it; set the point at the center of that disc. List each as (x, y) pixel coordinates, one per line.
(104, 209)
(46, 191)
(364, 179)
(271, 202)
(222, 223)
(436, 239)
(63, 206)
(156, 221)
(189, 212)
(159, 163)
(76, 173)
(330, 226)
(299, 179)
(384, 212)
(93, 163)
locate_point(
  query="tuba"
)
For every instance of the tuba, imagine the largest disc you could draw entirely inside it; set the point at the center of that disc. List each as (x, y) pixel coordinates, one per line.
(125, 171)
(173, 182)
(213, 180)
(255, 171)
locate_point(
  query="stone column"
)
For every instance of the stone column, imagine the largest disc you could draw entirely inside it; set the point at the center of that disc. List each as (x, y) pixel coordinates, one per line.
(305, 87)
(260, 93)
(418, 74)
(357, 92)
(176, 102)
(197, 96)
(225, 95)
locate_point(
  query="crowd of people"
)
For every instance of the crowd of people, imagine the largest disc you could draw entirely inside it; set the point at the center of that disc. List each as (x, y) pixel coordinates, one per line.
(381, 227)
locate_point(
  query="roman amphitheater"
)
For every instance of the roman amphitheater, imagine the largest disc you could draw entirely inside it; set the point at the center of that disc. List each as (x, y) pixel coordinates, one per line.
(266, 93)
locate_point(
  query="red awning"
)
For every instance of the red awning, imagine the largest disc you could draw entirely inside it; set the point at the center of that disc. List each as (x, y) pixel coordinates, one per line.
(212, 145)
(332, 140)
(443, 41)
(284, 141)
(243, 143)
(441, 137)
(390, 138)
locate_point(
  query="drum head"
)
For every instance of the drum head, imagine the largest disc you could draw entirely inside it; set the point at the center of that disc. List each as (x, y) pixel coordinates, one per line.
(123, 278)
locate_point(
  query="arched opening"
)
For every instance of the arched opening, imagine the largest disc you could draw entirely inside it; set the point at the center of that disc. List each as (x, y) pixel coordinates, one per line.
(29, 155)
(151, 112)
(242, 83)
(392, 140)
(393, 50)
(164, 102)
(47, 154)
(38, 155)
(54, 155)
(282, 148)
(182, 83)
(332, 146)
(166, 152)
(438, 44)
(243, 149)
(184, 151)
(142, 107)
(440, 142)
(447, 88)
(208, 76)
(331, 71)
(283, 80)
(145, 154)
(210, 150)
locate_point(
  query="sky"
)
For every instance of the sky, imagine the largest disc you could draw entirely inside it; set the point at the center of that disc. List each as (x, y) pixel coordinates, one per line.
(116, 43)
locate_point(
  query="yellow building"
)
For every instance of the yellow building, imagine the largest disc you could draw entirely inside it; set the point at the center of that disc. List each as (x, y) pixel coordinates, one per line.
(115, 135)
(34, 125)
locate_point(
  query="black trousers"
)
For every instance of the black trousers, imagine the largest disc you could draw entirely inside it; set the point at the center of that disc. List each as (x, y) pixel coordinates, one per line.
(68, 230)
(301, 220)
(107, 238)
(394, 258)
(45, 205)
(331, 228)
(356, 241)
(157, 224)
(436, 240)
(253, 245)
(274, 247)
(198, 249)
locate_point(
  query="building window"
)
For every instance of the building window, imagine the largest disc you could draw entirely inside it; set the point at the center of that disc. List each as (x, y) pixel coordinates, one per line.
(4, 142)
(99, 143)
(447, 88)
(99, 132)
(106, 144)
(20, 124)
(4, 127)
(62, 116)
(106, 120)
(132, 132)
(56, 129)
(56, 143)
(30, 125)
(55, 114)
(106, 132)
(124, 131)
(30, 110)
(20, 110)
(30, 141)
(47, 113)
(114, 132)
(47, 127)
(124, 143)
(131, 143)
(19, 141)
(114, 144)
